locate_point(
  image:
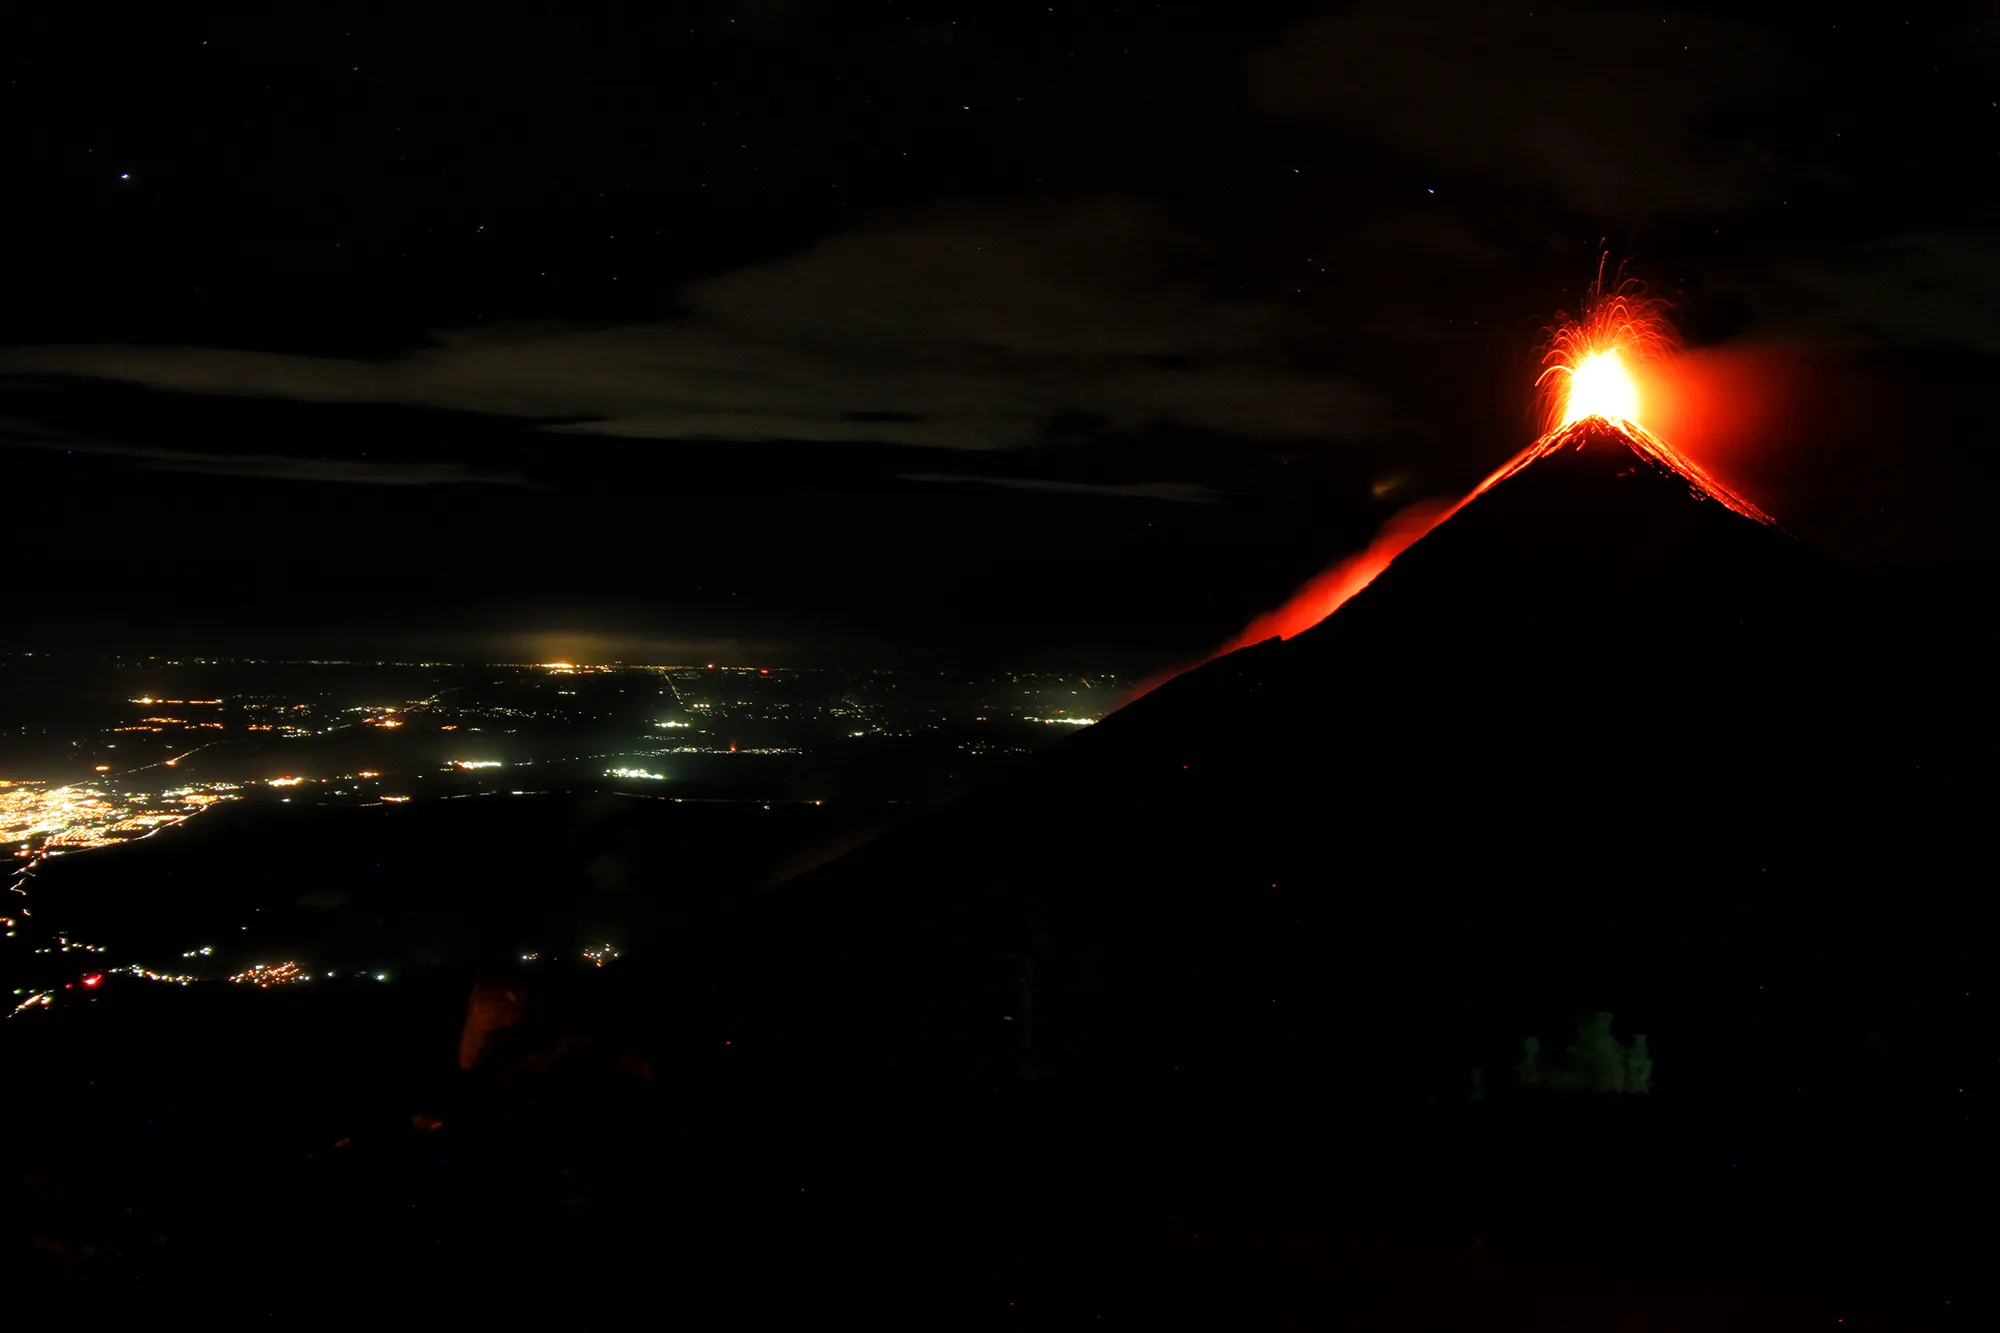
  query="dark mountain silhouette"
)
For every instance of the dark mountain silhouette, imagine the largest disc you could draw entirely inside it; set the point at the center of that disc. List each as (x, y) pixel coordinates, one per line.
(1151, 1027)
(1600, 739)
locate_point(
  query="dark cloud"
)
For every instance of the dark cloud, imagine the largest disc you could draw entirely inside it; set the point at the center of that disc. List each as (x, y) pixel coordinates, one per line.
(278, 467)
(1933, 288)
(965, 332)
(1618, 109)
(1174, 492)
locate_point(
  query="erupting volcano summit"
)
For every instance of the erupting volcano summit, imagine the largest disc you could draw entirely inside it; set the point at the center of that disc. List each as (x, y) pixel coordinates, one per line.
(1588, 377)
(1592, 398)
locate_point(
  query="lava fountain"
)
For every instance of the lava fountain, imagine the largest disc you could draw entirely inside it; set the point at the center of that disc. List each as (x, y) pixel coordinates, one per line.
(1593, 360)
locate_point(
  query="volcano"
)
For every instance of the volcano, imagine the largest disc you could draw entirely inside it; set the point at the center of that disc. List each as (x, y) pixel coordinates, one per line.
(1606, 730)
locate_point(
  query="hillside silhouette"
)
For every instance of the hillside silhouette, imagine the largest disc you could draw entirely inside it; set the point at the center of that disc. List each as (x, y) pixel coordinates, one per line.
(1213, 1011)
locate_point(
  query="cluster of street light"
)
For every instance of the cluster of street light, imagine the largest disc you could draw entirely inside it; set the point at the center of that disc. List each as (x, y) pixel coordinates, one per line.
(64, 944)
(147, 974)
(266, 975)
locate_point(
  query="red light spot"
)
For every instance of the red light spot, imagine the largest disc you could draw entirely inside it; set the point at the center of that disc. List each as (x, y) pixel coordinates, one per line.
(764, 671)
(67, 986)
(93, 978)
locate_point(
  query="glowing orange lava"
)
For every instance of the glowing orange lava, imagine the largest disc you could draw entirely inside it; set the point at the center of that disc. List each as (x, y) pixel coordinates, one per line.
(1601, 387)
(1595, 361)
(1577, 434)
(1330, 589)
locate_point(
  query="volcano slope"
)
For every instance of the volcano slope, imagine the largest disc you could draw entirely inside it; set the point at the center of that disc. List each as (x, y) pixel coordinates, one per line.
(1597, 742)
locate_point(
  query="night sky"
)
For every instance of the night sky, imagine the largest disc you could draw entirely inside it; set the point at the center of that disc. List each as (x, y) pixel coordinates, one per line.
(1064, 335)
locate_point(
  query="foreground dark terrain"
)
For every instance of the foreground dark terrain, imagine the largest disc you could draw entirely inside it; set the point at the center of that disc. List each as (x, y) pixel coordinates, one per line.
(315, 1157)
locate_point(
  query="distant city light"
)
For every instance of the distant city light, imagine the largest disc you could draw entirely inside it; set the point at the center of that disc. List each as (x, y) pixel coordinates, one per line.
(38, 821)
(150, 975)
(264, 976)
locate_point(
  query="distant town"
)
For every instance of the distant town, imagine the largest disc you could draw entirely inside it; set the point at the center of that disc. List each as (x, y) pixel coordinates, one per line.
(96, 754)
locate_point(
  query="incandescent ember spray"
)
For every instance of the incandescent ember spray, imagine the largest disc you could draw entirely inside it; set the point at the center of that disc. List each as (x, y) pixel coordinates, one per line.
(1591, 366)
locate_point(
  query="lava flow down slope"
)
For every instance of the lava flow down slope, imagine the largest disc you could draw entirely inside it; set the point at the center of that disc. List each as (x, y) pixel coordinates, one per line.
(1606, 722)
